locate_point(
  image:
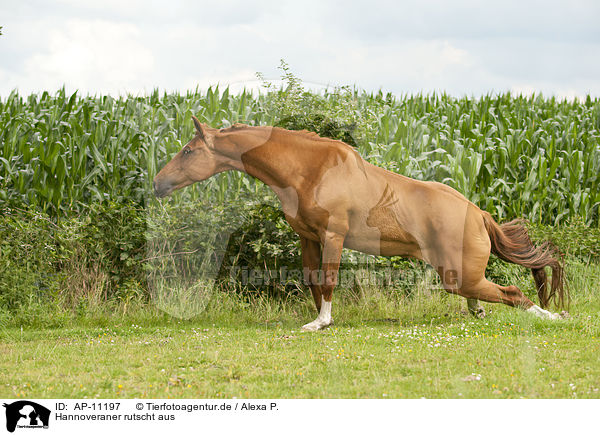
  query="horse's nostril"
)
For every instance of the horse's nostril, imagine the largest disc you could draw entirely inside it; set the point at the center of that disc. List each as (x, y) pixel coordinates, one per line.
(155, 187)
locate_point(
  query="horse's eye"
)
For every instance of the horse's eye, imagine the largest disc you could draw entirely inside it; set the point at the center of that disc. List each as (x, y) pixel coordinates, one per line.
(186, 151)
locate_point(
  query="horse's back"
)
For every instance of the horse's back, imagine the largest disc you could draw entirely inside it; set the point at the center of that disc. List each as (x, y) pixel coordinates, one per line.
(404, 216)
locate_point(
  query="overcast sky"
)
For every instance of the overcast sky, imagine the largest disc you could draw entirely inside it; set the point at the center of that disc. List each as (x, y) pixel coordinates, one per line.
(461, 47)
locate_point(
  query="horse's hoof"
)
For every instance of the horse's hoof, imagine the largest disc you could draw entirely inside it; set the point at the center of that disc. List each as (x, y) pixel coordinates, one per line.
(316, 326)
(479, 312)
(310, 327)
(544, 314)
(565, 315)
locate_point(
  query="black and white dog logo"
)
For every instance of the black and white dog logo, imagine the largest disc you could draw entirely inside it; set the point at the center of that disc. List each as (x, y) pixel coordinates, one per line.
(26, 414)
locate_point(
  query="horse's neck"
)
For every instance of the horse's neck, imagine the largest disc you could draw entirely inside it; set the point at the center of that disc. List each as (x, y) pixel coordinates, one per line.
(274, 162)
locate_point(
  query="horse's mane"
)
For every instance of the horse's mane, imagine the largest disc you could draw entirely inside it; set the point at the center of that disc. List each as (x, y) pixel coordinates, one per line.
(302, 133)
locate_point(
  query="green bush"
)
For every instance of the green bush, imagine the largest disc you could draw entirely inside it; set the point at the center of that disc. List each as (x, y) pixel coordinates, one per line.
(109, 254)
(266, 246)
(320, 124)
(29, 280)
(575, 240)
(113, 238)
(70, 262)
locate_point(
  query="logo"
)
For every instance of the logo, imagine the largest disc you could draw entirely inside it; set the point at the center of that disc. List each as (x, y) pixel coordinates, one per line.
(26, 414)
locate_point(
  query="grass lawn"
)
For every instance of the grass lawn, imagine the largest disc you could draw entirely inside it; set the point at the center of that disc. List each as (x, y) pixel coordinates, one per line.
(422, 346)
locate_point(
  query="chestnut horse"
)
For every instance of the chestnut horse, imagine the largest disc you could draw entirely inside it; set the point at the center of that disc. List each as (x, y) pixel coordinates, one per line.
(333, 199)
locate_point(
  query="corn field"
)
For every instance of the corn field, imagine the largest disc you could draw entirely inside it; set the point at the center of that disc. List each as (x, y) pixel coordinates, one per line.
(514, 156)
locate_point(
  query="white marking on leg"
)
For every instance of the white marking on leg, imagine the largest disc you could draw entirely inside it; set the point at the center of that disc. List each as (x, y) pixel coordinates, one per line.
(323, 320)
(544, 314)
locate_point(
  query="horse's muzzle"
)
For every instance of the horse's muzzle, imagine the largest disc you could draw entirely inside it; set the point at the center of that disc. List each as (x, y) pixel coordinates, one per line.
(161, 189)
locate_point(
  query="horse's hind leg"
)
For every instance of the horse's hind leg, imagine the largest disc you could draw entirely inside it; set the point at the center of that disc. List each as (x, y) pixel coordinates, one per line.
(475, 308)
(466, 270)
(488, 291)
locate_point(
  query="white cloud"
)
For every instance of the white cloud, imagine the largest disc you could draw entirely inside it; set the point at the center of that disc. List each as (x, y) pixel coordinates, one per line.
(237, 80)
(90, 54)
(409, 46)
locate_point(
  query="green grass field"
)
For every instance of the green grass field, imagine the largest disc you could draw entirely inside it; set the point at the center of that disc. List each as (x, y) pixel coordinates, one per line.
(380, 347)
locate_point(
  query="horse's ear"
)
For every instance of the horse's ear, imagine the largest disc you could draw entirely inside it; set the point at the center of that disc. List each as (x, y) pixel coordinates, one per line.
(199, 127)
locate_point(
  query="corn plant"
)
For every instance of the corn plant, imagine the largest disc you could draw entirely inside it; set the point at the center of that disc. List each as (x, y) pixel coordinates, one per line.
(513, 155)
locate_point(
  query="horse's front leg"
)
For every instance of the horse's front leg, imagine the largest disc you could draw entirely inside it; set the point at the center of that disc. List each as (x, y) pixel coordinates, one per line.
(332, 252)
(311, 259)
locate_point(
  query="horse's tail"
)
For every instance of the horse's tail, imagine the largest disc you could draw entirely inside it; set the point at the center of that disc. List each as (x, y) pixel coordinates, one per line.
(511, 242)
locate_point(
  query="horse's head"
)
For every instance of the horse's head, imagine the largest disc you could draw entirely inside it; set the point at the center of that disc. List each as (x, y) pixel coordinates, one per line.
(196, 161)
